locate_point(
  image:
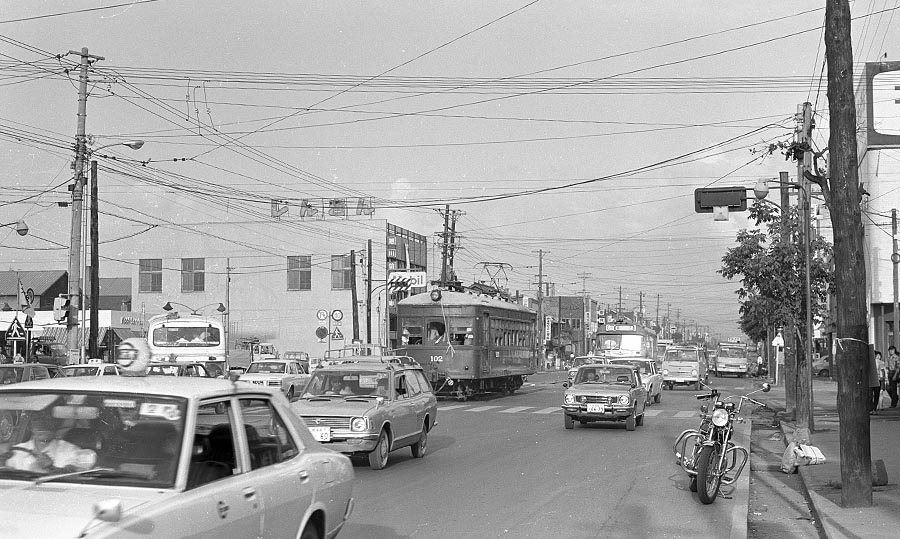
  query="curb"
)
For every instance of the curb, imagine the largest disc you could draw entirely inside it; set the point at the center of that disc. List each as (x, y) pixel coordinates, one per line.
(808, 495)
(739, 522)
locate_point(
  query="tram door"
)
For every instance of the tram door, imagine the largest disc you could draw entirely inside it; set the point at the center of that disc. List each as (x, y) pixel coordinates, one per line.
(488, 348)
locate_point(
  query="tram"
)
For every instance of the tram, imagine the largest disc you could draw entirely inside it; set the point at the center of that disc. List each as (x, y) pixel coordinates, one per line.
(468, 344)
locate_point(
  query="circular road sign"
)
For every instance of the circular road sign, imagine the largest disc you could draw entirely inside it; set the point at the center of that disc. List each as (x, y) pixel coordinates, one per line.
(321, 332)
(322, 314)
(337, 315)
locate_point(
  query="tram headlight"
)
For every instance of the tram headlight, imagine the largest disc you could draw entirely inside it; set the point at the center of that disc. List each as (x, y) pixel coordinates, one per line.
(720, 417)
(359, 424)
(570, 399)
(624, 400)
(450, 381)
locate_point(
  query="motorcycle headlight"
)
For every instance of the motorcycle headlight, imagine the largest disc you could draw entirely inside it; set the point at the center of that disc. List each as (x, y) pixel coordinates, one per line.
(570, 399)
(624, 400)
(359, 424)
(720, 417)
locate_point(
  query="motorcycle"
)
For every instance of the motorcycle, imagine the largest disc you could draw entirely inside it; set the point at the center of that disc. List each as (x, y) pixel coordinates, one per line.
(707, 454)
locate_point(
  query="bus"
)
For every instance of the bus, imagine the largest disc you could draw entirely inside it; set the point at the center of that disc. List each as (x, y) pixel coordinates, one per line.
(468, 344)
(621, 339)
(731, 358)
(192, 337)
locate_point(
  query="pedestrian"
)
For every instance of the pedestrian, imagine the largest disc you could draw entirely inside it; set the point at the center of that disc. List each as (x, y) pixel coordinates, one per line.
(876, 379)
(892, 364)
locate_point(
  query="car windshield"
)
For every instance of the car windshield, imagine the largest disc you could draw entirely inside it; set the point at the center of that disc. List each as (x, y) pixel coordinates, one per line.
(266, 367)
(643, 366)
(345, 383)
(10, 375)
(682, 355)
(604, 375)
(81, 371)
(103, 438)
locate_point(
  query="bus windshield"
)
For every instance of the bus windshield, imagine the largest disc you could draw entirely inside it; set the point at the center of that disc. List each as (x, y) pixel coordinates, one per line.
(179, 336)
(631, 343)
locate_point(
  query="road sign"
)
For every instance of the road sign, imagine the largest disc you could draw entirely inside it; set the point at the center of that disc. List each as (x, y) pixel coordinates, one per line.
(321, 332)
(322, 314)
(336, 335)
(15, 332)
(337, 315)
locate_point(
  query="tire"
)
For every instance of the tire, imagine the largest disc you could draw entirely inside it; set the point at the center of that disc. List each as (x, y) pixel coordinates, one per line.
(708, 481)
(693, 485)
(630, 422)
(7, 425)
(658, 397)
(290, 394)
(823, 373)
(570, 423)
(378, 457)
(418, 448)
(311, 531)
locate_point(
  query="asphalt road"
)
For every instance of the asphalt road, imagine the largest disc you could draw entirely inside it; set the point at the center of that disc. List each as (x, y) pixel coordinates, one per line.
(506, 467)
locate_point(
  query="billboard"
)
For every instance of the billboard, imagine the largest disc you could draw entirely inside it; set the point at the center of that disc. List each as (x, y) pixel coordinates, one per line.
(882, 105)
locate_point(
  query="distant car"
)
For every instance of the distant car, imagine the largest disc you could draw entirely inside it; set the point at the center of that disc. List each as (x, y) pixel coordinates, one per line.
(685, 365)
(650, 376)
(157, 458)
(821, 367)
(168, 368)
(286, 374)
(302, 357)
(583, 360)
(13, 373)
(605, 393)
(369, 406)
(91, 369)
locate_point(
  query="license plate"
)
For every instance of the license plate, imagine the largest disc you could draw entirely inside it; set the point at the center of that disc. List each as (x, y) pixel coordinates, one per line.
(259, 382)
(594, 408)
(322, 434)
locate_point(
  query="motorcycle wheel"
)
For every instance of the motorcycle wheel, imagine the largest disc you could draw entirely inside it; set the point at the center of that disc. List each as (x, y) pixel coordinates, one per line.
(693, 485)
(708, 478)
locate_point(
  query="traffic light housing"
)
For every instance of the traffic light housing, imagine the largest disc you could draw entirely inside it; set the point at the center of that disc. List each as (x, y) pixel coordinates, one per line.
(60, 308)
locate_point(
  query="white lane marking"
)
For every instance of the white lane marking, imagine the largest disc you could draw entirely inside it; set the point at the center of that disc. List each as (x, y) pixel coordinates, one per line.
(453, 406)
(482, 408)
(549, 410)
(516, 409)
(685, 414)
(652, 413)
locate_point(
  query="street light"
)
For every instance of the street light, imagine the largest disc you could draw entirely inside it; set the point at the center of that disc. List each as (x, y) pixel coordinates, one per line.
(21, 227)
(761, 190)
(168, 307)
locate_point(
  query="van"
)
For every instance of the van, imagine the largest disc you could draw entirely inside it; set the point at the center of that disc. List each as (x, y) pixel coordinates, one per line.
(684, 365)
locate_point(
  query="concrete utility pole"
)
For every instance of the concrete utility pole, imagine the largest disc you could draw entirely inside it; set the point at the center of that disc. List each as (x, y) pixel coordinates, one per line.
(790, 336)
(804, 362)
(843, 197)
(895, 261)
(540, 310)
(74, 289)
(93, 349)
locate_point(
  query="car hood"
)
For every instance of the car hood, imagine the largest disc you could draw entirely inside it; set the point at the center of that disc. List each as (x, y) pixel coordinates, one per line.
(63, 510)
(598, 389)
(335, 406)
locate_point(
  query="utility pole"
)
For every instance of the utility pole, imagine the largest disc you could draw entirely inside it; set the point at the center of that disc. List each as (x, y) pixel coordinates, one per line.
(227, 314)
(790, 336)
(354, 299)
(74, 290)
(587, 311)
(540, 301)
(444, 245)
(895, 260)
(804, 362)
(842, 194)
(369, 291)
(93, 350)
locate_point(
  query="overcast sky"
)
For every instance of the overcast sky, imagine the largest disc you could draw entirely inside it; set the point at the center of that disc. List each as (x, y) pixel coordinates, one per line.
(578, 128)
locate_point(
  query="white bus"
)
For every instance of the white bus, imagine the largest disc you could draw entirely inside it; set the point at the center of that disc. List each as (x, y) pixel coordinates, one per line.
(188, 337)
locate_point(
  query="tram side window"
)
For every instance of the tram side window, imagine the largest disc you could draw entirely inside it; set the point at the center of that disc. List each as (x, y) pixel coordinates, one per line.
(412, 332)
(436, 332)
(461, 332)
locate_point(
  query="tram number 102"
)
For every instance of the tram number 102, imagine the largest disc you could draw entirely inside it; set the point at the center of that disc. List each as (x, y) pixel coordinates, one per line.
(437, 359)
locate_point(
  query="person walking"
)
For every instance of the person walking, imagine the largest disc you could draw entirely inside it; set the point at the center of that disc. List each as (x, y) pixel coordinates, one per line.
(892, 364)
(876, 379)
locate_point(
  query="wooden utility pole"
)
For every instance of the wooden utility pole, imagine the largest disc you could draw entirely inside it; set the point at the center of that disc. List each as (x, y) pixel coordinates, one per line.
(540, 307)
(841, 190)
(354, 301)
(805, 417)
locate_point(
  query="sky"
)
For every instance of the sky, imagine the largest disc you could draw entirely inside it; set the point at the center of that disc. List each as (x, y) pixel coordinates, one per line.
(579, 130)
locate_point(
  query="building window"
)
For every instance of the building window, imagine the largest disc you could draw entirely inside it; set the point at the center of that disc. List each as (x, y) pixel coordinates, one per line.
(340, 272)
(192, 276)
(150, 275)
(299, 273)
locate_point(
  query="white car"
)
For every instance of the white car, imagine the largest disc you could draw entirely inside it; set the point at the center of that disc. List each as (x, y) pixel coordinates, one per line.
(287, 374)
(650, 376)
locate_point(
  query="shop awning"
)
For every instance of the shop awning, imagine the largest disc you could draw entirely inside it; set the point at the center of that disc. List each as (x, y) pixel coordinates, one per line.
(60, 335)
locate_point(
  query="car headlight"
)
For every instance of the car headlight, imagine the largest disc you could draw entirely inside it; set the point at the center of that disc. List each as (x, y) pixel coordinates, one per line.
(665, 372)
(570, 399)
(624, 400)
(720, 417)
(693, 372)
(359, 424)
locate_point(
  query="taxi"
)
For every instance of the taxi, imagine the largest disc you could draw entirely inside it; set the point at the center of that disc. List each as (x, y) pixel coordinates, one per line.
(94, 367)
(605, 393)
(153, 457)
(285, 374)
(168, 368)
(369, 406)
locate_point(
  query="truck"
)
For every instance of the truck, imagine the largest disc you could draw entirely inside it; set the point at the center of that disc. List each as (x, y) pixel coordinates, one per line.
(731, 358)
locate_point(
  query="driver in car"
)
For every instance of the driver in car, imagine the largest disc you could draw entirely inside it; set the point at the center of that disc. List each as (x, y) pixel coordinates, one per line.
(45, 453)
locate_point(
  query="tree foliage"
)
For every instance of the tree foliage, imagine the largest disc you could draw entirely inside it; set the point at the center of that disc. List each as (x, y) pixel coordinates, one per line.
(772, 272)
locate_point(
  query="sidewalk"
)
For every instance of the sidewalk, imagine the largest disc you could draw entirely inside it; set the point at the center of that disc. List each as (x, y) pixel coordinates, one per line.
(823, 481)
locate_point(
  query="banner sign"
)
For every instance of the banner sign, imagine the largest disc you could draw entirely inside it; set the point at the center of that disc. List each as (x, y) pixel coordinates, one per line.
(322, 208)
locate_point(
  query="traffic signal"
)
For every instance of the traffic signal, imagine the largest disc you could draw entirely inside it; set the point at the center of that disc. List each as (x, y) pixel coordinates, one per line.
(60, 308)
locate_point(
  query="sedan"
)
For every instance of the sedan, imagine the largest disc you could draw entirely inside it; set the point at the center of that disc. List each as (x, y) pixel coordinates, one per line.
(611, 393)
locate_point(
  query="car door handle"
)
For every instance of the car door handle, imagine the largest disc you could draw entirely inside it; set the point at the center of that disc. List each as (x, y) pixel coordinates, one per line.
(249, 493)
(304, 475)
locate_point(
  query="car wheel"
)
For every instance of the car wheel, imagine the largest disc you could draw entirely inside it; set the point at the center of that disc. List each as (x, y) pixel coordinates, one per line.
(418, 448)
(311, 531)
(630, 423)
(290, 394)
(6, 427)
(379, 456)
(658, 397)
(570, 423)
(824, 373)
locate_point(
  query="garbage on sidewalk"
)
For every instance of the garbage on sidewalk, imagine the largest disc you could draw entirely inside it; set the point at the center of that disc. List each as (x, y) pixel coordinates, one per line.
(796, 455)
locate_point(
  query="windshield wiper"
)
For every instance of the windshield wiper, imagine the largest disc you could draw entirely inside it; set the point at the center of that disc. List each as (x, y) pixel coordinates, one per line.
(95, 472)
(17, 474)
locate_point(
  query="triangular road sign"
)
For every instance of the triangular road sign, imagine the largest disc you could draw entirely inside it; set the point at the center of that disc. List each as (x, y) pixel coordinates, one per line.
(15, 332)
(336, 335)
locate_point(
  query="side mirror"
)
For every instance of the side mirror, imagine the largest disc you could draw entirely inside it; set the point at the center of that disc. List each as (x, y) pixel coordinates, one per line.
(766, 387)
(566, 384)
(108, 510)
